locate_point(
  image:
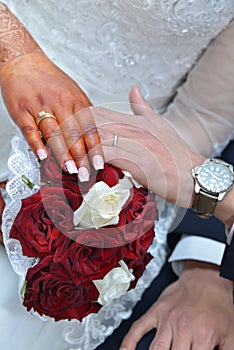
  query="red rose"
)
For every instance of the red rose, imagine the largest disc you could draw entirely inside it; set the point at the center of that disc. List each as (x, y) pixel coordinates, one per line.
(52, 174)
(88, 260)
(110, 175)
(138, 215)
(136, 256)
(43, 221)
(59, 292)
(103, 237)
(61, 284)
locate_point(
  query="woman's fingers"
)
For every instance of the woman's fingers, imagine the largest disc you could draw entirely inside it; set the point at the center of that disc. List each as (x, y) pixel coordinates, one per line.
(33, 84)
(91, 137)
(74, 155)
(70, 136)
(27, 125)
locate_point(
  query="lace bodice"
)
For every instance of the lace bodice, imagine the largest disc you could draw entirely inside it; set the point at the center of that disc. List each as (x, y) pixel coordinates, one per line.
(110, 45)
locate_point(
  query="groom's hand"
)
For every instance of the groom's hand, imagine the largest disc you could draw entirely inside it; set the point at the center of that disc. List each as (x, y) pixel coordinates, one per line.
(150, 149)
(196, 312)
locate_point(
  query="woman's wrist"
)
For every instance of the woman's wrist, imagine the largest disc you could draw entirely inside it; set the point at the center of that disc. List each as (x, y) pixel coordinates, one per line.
(15, 40)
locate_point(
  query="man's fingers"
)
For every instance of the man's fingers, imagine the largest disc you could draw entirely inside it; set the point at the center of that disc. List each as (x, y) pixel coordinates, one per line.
(162, 339)
(139, 328)
(181, 340)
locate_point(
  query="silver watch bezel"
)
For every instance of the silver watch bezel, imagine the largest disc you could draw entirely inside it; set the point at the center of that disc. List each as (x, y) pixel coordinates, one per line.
(220, 192)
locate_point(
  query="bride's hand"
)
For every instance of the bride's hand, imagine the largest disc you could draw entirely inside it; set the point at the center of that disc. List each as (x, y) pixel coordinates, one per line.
(196, 312)
(31, 83)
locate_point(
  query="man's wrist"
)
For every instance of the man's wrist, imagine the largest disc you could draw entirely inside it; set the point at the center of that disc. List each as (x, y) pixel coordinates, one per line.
(224, 210)
(203, 271)
(222, 206)
(196, 160)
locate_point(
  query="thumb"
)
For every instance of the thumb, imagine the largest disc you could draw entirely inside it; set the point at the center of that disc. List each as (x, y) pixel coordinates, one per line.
(138, 103)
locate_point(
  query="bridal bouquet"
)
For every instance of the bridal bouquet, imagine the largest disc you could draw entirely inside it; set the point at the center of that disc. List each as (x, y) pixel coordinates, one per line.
(87, 243)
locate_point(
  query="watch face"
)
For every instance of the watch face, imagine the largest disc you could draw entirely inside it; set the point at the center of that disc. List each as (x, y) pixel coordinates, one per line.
(215, 177)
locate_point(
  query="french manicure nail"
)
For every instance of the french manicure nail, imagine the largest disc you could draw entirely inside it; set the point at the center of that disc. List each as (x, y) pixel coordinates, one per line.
(41, 153)
(98, 162)
(71, 167)
(83, 174)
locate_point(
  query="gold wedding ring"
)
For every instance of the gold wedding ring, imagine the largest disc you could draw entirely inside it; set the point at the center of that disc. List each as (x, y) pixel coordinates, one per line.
(43, 115)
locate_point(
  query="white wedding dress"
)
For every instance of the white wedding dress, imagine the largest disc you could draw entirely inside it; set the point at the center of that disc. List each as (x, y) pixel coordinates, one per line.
(107, 47)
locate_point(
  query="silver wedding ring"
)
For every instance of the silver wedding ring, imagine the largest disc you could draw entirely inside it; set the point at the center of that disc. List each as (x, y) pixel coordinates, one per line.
(115, 142)
(43, 115)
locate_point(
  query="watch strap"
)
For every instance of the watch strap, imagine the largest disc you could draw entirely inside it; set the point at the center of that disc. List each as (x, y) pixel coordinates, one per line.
(204, 204)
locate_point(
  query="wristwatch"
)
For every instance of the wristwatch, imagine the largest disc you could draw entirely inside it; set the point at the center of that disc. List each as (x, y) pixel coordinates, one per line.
(213, 179)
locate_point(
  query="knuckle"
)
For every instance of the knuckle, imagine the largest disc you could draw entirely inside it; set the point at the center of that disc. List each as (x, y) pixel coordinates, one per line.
(89, 127)
(72, 134)
(137, 325)
(184, 322)
(90, 131)
(80, 158)
(82, 101)
(23, 105)
(27, 130)
(160, 344)
(172, 313)
(51, 132)
(205, 331)
(164, 308)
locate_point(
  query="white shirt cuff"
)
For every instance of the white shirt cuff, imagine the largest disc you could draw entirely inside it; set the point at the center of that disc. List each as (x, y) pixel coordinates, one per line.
(196, 248)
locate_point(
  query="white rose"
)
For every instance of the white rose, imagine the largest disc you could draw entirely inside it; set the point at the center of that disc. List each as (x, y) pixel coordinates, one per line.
(102, 204)
(115, 283)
